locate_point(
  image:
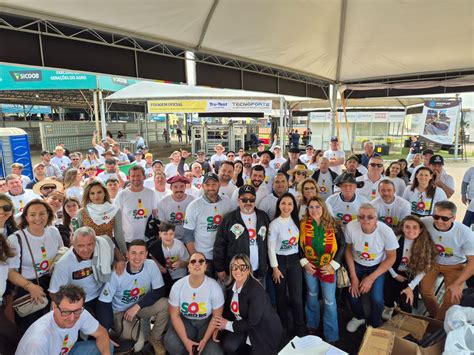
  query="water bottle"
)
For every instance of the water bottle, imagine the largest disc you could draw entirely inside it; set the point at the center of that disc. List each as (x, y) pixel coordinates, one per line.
(75, 224)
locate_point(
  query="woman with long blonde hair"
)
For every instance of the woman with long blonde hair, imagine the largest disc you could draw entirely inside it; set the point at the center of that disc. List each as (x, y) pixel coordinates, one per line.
(73, 183)
(321, 248)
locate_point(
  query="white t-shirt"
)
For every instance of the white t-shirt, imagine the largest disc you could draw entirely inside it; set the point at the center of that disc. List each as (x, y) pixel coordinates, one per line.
(218, 158)
(268, 205)
(406, 255)
(176, 252)
(104, 176)
(193, 191)
(269, 176)
(196, 303)
(74, 191)
(44, 250)
(20, 201)
(100, 150)
(122, 157)
(70, 271)
(400, 185)
(333, 155)
(174, 212)
(45, 337)
(277, 163)
(197, 182)
(171, 169)
(391, 214)
(305, 158)
(148, 171)
(369, 249)
(284, 235)
(250, 221)
(136, 208)
(203, 218)
(325, 185)
(454, 244)
(370, 190)
(345, 211)
(4, 267)
(62, 163)
(447, 179)
(88, 163)
(420, 204)
(127, 289)
(24, 181)
(469, 179)
(227, 190)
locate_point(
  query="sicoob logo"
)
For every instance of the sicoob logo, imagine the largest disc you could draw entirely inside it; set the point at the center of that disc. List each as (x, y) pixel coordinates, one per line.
(26, 75)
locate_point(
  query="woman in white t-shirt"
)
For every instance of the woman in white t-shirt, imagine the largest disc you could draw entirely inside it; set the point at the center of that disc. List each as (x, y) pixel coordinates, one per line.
(423, 194)
(394, 173)
(73, 184)
(287, 273)
(32, 272)
(194, 300)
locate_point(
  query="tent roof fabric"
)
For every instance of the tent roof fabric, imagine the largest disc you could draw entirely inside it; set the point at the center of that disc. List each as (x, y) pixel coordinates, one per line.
(335, 40)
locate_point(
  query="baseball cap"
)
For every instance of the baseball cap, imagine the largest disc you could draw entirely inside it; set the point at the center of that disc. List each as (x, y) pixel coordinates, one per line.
(294, 150)
(349, 178)
(210, 176)
(138, 152)
(148, 155)
(437, 159)
(247, 189)
(309, 146)
(91, 151)
(200, 151)
(44, 152)
(156, 162)
(17, 165)
(334, 139)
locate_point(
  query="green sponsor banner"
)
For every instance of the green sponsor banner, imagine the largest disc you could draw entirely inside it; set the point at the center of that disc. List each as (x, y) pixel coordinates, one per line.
(28, 78)
(114, 83)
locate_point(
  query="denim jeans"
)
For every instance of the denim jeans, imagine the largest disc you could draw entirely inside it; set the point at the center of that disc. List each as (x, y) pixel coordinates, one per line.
(468, 218)
(376, 296)
(88, 347)
(312, 309)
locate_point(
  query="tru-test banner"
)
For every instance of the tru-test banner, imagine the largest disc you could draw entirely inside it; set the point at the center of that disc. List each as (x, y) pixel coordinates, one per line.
(211, 105)
(440, 117)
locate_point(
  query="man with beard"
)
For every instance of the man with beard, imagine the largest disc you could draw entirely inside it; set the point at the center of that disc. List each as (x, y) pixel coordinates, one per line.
(51, 169)
(352, 164)
(257, 178)
(293, 160)
(269, 202)
(265, 157)
(247, 170)
(391, 209)
(226, 171)
(112, 171)
(442, 179)
(172, 208)
(203, 216)
(243, 231)
(121, 156)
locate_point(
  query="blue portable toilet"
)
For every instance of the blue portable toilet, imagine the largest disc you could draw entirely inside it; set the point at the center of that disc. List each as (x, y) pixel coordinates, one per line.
(14, 148)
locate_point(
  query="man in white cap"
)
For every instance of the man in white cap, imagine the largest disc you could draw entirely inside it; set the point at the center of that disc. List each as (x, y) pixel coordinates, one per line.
(278, 161)
(60, 160)
(219, 157)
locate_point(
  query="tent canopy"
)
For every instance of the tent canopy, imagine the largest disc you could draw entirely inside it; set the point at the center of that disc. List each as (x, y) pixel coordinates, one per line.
(335, 40)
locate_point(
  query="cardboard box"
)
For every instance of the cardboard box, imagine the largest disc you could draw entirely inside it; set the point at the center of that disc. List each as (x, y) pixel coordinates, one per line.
(377, 341)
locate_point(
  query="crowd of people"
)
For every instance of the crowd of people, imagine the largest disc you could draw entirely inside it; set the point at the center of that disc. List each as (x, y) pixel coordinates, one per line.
(217, 255)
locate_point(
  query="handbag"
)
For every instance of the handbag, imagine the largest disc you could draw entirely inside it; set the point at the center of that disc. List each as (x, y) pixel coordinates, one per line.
(126, 341)
(24, 305)
(342, 278)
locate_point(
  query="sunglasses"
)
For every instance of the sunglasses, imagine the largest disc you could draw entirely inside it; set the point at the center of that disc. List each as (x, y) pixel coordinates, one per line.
(6, 208)
(48, 188)
(368, 217)
(200, 261)
(443, 218)
(247, 200)
(374, 165)
(82, 168)
(300, 173)
(235, 267)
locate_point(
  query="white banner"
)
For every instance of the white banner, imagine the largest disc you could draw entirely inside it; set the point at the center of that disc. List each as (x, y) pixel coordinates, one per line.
(439, 120)
(256, 106)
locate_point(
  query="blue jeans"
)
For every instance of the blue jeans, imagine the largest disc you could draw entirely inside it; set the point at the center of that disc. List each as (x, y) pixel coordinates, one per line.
(468, 218)
(88, 347)
(330, 325)
(376, 296)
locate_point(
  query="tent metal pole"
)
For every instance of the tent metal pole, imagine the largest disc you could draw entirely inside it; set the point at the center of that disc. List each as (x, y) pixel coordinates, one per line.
(456, 131)
(282, 125)
(102, 115)
(147, 142)
(96, 113)
(333, 103)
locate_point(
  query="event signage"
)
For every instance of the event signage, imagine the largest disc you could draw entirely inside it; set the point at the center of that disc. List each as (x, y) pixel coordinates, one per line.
(201, 106)
(24, 109)
(439, 119)
(362, 116)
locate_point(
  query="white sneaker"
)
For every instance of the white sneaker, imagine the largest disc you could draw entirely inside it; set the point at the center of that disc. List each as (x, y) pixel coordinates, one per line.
(354, 324)
(387, 313)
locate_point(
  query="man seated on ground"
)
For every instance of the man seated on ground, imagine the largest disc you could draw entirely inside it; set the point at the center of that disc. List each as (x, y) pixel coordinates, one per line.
(370, 252)
(391, 209)
(57, 331)
(139, 291)
(77, 267)
(455, 244)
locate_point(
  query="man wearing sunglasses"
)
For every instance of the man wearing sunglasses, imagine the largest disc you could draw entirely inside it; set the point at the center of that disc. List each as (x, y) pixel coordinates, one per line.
(243, 231)
(57, 331)
(372, 179)
(455, 244)
(370, 252)
(138, 292)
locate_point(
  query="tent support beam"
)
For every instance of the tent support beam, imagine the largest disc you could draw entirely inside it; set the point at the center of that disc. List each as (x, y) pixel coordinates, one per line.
(206, 24)
(282, 125)
(341, 39)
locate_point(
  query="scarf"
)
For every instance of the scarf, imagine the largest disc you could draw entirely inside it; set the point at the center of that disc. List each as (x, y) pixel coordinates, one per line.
(102, 214)
(319, 246)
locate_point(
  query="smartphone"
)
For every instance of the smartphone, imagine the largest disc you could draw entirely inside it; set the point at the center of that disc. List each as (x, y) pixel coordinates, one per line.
(195, 350)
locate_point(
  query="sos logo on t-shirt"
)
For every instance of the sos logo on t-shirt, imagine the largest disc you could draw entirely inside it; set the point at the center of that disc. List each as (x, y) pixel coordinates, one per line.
(389, 220)
(65, 349)
(345, 217)
(213, 221)
(133, 295)
(43, 266)
(365, 255)
(443, 251)
(289, 243)
(177, 218)
(194, 309)
(252, 236)
(140, 212)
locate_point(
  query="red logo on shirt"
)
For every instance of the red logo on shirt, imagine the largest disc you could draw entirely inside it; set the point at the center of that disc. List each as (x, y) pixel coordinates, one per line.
(234, 306)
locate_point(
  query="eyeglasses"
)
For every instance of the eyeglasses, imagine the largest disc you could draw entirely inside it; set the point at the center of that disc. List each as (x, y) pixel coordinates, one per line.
(368, 217)
(314, 207)
(77, 312)
(443, 218)
(374, 165)
(247, 200)
(6, 208)
(200, 261)
(235, 267)
(75, 159)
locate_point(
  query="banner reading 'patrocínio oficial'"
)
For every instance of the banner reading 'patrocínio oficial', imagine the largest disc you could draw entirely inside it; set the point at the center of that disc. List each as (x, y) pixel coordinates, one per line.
(201, 106)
